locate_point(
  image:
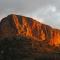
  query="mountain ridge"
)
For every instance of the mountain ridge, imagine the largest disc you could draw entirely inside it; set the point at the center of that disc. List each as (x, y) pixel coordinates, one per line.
(21, 25)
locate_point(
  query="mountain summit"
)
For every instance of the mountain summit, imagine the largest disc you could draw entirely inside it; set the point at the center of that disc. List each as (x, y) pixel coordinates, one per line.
(16, 25)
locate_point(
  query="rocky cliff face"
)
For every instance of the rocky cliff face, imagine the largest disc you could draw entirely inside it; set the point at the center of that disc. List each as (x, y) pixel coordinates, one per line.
(15, 25)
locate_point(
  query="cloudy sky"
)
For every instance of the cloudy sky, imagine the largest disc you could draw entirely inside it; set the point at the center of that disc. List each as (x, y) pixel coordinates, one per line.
(45, 11)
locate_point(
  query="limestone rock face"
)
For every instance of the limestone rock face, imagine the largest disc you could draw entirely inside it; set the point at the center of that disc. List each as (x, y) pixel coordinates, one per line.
(15, 25)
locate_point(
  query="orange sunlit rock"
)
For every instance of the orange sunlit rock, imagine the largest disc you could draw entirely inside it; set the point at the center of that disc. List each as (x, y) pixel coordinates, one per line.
(55, 40)
(29, 27)
(42, 35)
(18, 26)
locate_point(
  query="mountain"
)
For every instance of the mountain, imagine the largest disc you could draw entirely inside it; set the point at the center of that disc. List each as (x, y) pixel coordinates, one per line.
(20, 25)
(27, 37)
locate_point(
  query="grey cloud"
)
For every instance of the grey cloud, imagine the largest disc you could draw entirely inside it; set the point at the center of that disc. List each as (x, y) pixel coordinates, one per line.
(43, 9)
(25, 5)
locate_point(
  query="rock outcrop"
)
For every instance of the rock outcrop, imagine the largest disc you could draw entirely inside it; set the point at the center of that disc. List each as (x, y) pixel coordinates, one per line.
(15, 25)
(23, 38)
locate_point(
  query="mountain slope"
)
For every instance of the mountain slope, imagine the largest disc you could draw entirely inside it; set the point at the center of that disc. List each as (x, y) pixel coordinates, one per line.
(24, 25)
(23, 48)
(25, 38)
(20, 25)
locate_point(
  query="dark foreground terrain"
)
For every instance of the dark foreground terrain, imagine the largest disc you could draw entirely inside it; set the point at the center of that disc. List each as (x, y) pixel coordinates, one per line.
(21, 48)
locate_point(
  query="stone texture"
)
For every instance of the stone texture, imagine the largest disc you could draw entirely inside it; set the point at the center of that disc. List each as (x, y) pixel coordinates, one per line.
(24, 37)
(20, 25)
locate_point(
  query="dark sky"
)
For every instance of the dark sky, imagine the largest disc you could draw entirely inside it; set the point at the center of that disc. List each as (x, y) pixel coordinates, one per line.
(46, 11)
